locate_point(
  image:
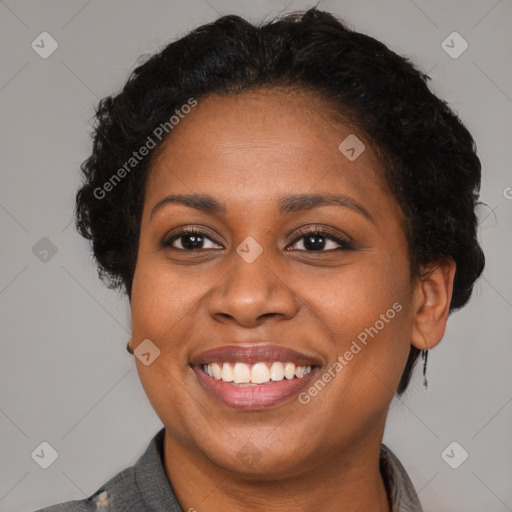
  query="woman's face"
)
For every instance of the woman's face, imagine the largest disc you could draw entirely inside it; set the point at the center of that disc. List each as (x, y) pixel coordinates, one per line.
(255, 275)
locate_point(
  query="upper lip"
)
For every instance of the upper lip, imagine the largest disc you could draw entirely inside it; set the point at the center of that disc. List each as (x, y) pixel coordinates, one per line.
(251, 354)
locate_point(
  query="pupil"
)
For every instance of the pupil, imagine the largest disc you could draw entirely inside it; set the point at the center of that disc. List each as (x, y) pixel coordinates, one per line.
(192, 241)
(314, 242)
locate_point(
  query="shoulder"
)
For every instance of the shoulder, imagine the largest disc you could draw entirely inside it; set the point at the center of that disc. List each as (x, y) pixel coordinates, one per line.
(119, 493)
(401, 492)
(143, 486)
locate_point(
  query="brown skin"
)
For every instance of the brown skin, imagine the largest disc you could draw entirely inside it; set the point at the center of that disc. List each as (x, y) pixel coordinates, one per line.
(248, 151)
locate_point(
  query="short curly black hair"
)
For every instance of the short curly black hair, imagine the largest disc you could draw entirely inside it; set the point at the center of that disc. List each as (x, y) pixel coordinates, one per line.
(428, 156)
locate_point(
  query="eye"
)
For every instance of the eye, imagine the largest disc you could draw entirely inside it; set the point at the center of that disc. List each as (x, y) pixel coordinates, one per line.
(318, 240)
(190, 240)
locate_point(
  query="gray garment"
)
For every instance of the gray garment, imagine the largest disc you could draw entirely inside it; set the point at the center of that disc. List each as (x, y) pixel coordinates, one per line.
(145, 487)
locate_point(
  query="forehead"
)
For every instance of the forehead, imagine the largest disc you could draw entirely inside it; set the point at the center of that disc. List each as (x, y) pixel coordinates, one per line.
(259, 144)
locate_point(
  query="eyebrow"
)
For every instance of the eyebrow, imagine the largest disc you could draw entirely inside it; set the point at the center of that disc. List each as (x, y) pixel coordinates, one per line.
(288, 204)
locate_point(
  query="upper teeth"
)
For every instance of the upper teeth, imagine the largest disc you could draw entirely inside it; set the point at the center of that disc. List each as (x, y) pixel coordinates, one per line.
(258, 373)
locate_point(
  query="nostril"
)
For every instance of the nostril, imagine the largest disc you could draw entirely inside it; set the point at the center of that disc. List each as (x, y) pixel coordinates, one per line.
(266, 315)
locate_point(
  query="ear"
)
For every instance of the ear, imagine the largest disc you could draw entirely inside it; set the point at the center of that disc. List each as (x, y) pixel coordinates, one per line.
(432, 297)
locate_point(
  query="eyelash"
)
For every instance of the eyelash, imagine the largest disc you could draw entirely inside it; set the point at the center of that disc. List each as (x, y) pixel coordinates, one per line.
(344, 244)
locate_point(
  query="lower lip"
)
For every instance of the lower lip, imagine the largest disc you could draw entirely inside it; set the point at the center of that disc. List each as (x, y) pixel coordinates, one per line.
(256, 397)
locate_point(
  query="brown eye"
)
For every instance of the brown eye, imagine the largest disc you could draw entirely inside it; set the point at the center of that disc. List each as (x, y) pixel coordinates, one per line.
(319, 241)
(190, 240)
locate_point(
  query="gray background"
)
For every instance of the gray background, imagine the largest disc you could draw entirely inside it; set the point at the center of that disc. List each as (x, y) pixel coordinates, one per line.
(65, 376)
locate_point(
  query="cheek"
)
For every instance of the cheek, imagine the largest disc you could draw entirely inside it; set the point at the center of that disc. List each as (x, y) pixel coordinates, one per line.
(357, 294)
(162, 298)
(162, 311)
(365, 310)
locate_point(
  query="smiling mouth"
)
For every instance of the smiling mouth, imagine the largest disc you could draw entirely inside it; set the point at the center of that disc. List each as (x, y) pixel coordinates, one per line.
(251, 387)
(254, 376)
(262, 373)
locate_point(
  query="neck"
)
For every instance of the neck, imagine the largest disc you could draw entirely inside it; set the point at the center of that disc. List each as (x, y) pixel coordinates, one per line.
(349, 480)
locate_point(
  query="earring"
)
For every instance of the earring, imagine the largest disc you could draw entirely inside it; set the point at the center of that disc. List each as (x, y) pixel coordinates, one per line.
(128, 348)
(424, 356)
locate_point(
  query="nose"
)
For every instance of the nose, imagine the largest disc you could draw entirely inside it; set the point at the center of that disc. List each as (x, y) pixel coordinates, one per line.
(251, 292)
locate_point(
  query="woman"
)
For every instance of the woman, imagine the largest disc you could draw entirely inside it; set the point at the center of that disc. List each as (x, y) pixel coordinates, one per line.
(290, 211)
